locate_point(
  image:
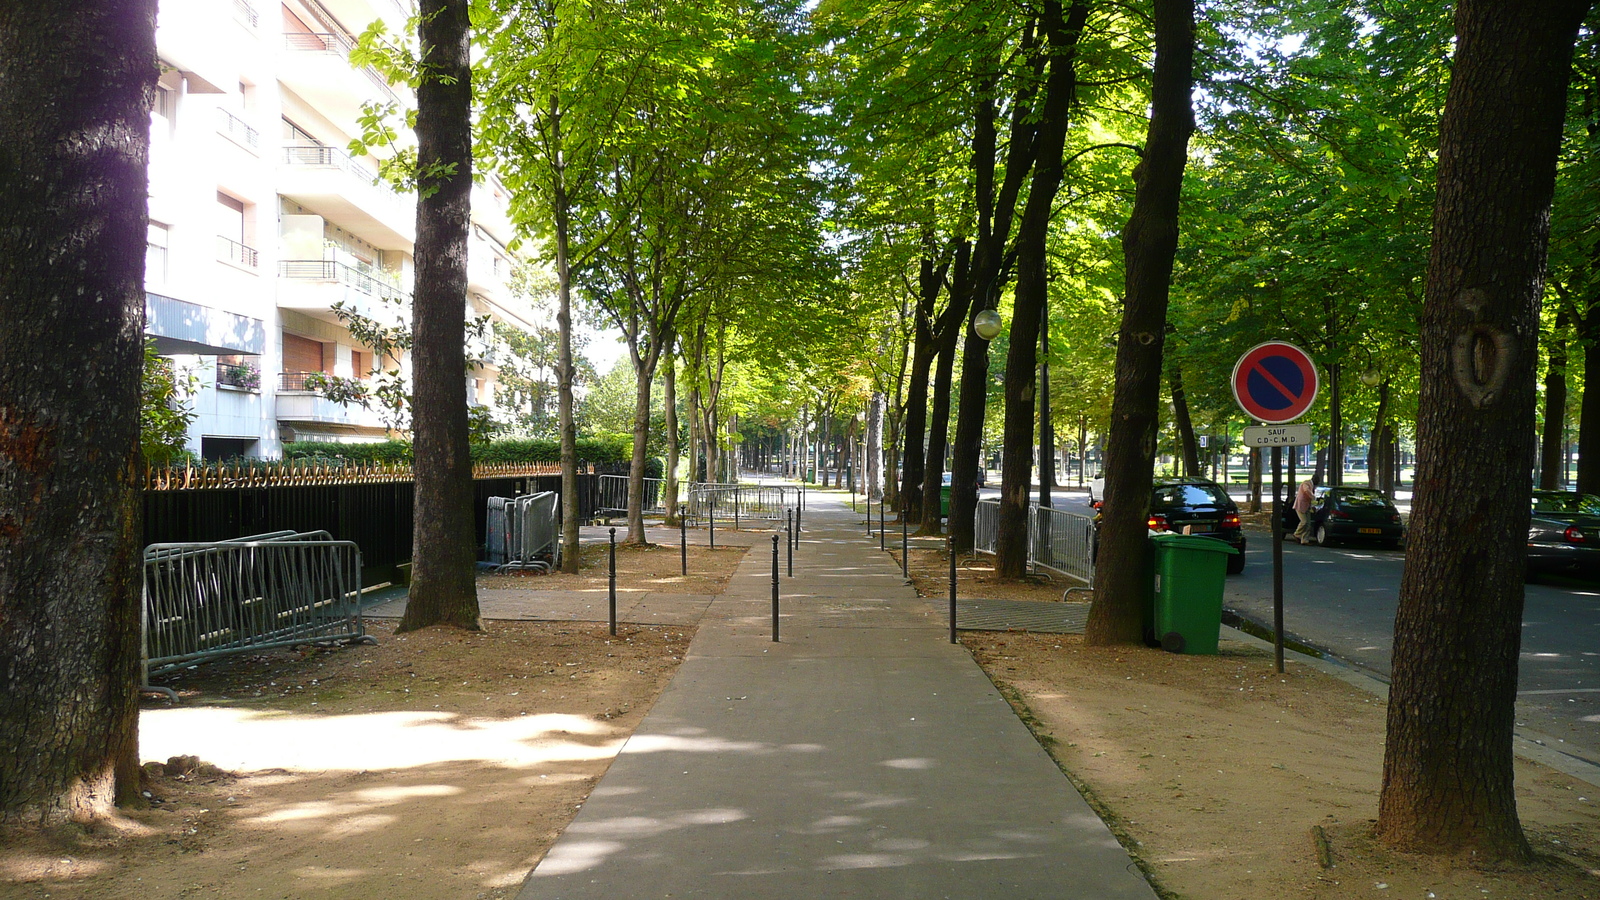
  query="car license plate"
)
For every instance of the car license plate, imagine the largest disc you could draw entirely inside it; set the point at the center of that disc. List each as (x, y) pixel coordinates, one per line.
(1370, 530)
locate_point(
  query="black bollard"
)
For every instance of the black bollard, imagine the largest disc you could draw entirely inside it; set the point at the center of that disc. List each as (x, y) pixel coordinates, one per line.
(711, 517)
(788, 535)
(613, 582)
(774, 589)
(683, 537)
(869, 516)
(883, 526)
(736, 509)
(952, 545)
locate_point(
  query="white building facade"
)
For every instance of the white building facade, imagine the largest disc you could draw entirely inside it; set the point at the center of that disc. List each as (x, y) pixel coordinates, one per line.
(261, 221)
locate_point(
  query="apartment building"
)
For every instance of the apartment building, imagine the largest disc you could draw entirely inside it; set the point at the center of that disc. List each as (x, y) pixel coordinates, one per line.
(261, 221)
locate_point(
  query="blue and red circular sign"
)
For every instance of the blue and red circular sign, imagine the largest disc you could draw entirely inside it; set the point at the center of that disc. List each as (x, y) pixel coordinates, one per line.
(1275, 382)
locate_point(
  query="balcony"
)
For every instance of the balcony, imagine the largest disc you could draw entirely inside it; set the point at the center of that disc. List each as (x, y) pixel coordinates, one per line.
(242, 133)
(234, 253)
(332, 184)
(298, 406)
(313, 286)
(317, 67)
(246, 15)
(239, 376)
(182, 327)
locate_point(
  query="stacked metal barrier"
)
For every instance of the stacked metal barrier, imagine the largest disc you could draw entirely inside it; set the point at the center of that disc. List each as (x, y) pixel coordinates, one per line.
(734, 501)
(614, 496)
(1058, 541)
(203, 601)
(525, 532)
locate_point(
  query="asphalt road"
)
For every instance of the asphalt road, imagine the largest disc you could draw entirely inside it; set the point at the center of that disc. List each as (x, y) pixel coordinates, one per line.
(1342, 600)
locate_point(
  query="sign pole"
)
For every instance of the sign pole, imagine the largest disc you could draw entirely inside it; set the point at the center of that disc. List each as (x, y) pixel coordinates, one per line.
(1277, 555)
(1276, 383)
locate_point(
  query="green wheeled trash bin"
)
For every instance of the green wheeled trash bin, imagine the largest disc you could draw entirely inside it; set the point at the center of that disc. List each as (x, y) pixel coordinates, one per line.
(1186, 591)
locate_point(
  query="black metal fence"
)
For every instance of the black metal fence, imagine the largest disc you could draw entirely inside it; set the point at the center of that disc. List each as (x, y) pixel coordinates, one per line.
(376, 516)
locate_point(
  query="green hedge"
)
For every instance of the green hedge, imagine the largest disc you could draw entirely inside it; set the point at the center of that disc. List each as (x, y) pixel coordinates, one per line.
(608, 449)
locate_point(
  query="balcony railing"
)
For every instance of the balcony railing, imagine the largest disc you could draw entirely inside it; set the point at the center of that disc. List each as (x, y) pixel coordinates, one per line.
(329, 157)
(240, 375)
(232, 251)
(238, 129)
(341, 45)
(244, 12)
(328, 270)
(296, 381)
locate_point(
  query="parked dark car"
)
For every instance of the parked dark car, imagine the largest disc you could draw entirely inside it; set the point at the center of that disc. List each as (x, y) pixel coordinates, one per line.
(1341, 514)
(1203, 508)
(1564, 534)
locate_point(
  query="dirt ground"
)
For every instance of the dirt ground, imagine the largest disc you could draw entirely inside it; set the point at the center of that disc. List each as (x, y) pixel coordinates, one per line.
(441, 764)
(1223, 777)
(435, 765)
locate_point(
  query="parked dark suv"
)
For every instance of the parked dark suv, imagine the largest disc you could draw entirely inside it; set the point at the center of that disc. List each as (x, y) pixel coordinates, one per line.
(1201, 506)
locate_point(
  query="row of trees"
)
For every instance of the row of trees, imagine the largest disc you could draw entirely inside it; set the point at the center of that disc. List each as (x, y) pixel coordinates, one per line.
(797, 216)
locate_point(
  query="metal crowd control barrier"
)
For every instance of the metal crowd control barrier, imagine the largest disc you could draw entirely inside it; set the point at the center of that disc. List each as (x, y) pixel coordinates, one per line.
(203, 601)
(1059, 541)
(614, 496)
(735, 501)
(525, 532)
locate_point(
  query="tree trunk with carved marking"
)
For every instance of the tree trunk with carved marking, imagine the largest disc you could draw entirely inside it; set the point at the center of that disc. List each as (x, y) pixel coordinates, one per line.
(1447, 774)
(76, 81)
(1149, 243)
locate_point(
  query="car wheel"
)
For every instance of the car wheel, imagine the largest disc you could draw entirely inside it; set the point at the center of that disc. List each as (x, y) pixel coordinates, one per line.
(1235, 563)
(1323, 538)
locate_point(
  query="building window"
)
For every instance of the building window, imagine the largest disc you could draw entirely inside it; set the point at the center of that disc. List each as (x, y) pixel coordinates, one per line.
(233, 240)
(301, 356)
(155, 254)
(294, 134)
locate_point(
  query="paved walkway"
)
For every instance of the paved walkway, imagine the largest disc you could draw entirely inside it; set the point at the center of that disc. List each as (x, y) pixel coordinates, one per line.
(863, 756)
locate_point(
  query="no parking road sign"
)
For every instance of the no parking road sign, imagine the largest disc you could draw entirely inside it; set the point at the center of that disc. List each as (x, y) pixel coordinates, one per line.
(1275, 382)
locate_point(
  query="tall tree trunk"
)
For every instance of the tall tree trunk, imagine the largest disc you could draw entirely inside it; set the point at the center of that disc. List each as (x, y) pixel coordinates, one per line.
(1380, 434)
(1588, 474)
(1149, 243)
(696, 440)
(1047, 430)
(1447, 772)
(76, 82)
(1335, 448)
(996, 208)
(1187, 445)
(566, 419)
(949, 338)
(669, 415)
(1061, 33)
(445, 554)
(930, 283)
(1552, 474)
(644, 379)
(874, 463)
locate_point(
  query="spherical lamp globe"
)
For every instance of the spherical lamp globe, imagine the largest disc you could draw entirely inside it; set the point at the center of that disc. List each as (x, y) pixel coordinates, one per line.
(986, 324)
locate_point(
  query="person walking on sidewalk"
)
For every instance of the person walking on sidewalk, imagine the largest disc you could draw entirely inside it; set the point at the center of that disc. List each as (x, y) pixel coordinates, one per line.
(1302, 508)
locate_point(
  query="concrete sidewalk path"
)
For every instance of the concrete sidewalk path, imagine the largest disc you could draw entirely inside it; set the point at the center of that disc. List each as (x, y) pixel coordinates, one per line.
(863, 756)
